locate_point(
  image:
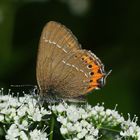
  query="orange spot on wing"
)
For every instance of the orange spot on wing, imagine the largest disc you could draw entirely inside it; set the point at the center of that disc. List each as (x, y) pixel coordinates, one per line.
(95, 73)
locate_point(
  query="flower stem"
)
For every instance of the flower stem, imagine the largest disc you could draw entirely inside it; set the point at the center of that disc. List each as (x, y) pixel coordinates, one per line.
(110, 129)
(52, 127)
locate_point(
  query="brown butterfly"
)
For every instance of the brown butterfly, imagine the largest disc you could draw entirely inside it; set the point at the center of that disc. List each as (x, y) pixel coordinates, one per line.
(64, 70)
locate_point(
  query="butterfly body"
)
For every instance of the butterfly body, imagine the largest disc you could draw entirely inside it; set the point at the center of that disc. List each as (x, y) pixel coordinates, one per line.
(64, 70)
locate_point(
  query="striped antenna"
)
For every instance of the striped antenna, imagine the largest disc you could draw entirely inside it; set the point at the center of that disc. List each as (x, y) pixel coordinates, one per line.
(23, 86)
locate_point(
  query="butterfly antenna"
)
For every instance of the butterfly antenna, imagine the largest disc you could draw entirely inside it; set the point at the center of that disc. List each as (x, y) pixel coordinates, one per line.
(35, 86)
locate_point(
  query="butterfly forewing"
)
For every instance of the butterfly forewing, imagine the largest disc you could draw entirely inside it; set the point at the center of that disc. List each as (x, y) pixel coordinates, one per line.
(58, 34)
(56, 43)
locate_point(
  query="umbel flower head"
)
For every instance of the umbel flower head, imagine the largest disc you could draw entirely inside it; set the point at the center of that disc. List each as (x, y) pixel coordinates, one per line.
(24, 118)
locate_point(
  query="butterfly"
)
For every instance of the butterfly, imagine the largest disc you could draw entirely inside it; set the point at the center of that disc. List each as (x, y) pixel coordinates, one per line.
(64, 70)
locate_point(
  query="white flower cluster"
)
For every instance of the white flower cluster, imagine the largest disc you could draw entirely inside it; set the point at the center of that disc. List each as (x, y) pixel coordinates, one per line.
(130, 129)
(25, 119)
(21, 114)
(74, 122)
(87, 122)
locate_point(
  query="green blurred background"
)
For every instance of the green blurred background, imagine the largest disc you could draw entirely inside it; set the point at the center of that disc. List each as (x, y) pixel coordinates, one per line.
(108, 28)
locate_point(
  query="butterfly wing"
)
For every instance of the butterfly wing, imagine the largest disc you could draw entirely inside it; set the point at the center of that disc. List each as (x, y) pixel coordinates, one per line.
(82, 73)
(56, 43)
(63, 66)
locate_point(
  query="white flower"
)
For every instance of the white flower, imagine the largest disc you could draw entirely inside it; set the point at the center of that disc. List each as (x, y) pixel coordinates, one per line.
(99, 108)
(12, 133)
(77, 127)
(12, 112)
(13, 102)
(22, 111)
(16, 119)
(89, 137)
(4, 97)
(84, 131)
(1, 117)
(63, 130)
(23, 136)
(84, 123)
(75, 139)
(94, 131)
(38, 135)
(43, 111)
(73, 114)
(31, 108)
(62, 119)
(130, 128)
(80, 135)
(93, 112)
(108, 112)
(70, 127)
(25, 123)
(35, 112)
(60, 108)
(37, 116)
